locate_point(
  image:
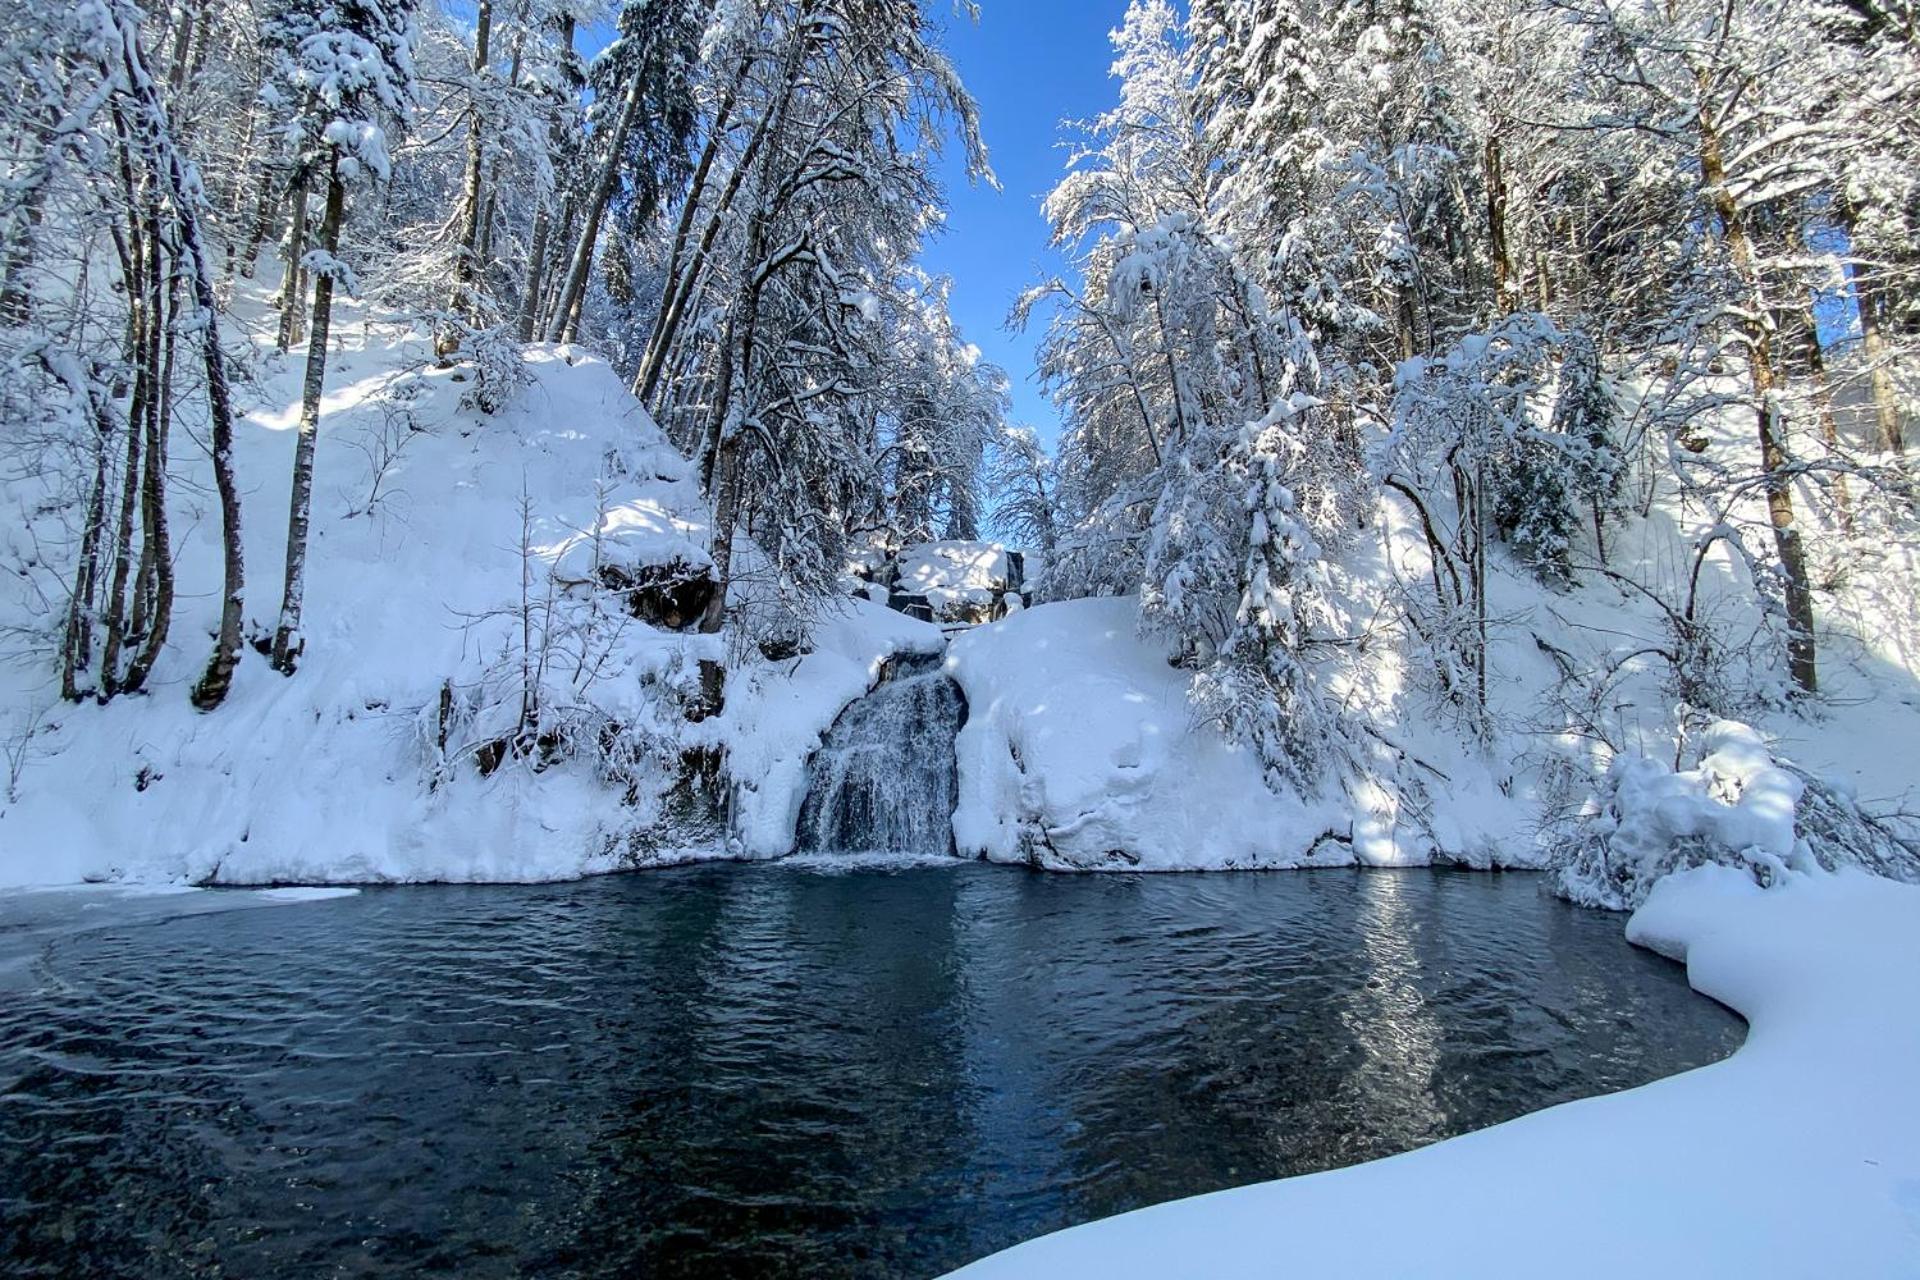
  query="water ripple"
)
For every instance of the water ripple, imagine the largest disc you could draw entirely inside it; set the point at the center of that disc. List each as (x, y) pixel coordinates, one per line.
(729, 1071)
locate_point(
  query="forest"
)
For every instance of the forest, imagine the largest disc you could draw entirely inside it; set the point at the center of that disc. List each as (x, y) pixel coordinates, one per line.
(1499, 264)
(454, 452)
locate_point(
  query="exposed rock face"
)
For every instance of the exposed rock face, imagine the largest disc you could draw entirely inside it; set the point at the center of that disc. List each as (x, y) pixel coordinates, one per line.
(671, 595)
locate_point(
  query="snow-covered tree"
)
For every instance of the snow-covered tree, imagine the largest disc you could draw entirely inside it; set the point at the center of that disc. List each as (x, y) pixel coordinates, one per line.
(1200, 465)
(351, 63)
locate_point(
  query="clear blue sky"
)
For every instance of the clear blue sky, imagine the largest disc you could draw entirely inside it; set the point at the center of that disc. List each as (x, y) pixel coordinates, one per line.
(1030, 64)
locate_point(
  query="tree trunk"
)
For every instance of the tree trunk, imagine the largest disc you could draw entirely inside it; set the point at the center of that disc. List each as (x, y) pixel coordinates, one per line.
(287, 642)
(1505, 295)
(647, 379)
(262, 222)
(726, 513)
(558, 237)
(1866, 297)
(293, 283)
(116, 619)
(132, 252)
(212, 687)
(1886, 407)
(673, 312)
(566, 314)
(76, 654)
(1823, 406)
(182, 49)
(156, 559)
(463, 302)
(536, 267)
(1774, 455)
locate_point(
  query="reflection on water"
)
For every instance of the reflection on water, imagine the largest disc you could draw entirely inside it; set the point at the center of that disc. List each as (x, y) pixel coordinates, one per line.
(728, 1071)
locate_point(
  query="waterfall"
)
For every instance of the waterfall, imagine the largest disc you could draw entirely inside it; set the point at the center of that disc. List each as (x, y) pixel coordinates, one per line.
(885, 778)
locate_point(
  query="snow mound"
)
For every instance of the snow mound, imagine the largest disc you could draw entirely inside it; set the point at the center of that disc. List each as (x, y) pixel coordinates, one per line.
(1739, 808)
(1080, 752)
(1798, 1156)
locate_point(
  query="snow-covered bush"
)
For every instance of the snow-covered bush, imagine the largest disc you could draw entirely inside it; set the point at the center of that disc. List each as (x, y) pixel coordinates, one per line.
(1532, 507)
(499, 372)
(1740, 807)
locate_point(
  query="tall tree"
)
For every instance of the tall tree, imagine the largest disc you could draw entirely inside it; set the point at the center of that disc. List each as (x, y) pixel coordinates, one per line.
(353, 63)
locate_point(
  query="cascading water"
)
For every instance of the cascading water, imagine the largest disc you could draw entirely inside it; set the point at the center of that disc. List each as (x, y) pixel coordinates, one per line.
(885, 778)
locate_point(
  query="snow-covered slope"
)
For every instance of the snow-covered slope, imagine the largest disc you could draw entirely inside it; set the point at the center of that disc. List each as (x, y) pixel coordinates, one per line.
(1798, 1156)
(1080, 751)
(426, 515)
(1083, 750)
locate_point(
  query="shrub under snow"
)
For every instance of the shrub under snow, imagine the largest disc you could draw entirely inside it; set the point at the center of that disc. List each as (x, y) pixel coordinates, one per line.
(1740, 807)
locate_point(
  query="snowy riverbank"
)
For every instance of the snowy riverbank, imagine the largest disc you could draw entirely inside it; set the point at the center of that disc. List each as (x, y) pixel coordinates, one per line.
(1798, 1156)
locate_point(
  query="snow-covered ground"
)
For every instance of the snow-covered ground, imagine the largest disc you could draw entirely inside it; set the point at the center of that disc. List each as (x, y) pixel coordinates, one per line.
(1082, 749)
(338, 775)
(1799, 1156)
(1080, 752)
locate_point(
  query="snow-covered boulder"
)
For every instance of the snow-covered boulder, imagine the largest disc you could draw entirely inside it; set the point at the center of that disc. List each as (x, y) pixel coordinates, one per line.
(1740, 807)
(960, 581)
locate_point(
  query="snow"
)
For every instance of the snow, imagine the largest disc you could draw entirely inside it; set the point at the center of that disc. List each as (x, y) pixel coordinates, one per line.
(955, 576)
(1080, 751)
(1798, 1156)
(334, 776)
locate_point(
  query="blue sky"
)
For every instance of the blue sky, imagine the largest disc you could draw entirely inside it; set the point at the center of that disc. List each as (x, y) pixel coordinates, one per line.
(1030, 64)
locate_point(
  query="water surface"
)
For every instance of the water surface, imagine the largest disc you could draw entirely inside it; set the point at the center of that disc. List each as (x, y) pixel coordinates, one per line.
(767, 1071)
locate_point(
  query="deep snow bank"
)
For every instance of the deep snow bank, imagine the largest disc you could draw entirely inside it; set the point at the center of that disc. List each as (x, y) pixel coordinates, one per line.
(1798, 1156)
(1082, 751)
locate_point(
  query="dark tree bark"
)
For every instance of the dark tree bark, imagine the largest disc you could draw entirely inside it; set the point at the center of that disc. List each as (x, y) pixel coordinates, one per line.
(1775, 458)
(287, 643)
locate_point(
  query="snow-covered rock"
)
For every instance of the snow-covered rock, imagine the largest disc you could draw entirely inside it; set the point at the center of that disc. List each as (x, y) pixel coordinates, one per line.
(960, 581)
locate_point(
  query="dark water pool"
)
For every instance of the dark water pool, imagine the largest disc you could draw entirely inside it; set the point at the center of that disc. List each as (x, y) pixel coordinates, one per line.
(730, 1071)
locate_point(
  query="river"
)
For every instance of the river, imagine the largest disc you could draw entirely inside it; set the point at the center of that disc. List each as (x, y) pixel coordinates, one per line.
(776, 1071)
